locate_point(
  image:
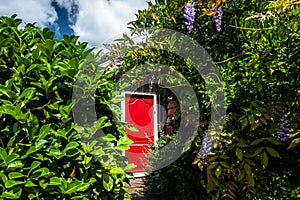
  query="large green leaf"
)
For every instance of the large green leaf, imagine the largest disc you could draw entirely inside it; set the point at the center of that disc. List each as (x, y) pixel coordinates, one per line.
(40, 172)
(55, 181)
(12, 183)
(3, 155)
(15, 193)
(15, 175)
(76, 186)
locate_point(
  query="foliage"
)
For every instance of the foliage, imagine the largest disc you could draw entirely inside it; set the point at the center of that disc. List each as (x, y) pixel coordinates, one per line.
(257, 54)
(180, 180)
(42, 155)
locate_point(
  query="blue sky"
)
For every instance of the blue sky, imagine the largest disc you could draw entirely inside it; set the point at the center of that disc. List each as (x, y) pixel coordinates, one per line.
(94, 21)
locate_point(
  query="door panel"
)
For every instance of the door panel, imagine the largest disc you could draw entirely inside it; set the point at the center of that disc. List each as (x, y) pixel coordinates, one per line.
(139, 111)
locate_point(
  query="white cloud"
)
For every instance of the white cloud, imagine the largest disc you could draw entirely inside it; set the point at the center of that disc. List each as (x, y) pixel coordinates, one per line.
(30, 11)
(95, 21)
(98, 21)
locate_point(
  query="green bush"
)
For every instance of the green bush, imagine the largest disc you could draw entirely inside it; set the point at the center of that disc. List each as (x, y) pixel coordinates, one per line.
(257, 54)
(42, 155)
(177, 181)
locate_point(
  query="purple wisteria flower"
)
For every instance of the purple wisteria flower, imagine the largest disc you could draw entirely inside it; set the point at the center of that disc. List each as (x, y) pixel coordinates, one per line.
(189, 15)
(207, 146)
(263, 51)
(119, 59)
(218, 17)
(284, 129)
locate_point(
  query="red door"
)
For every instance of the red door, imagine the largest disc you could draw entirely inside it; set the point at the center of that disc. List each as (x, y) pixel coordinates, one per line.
(140, 112)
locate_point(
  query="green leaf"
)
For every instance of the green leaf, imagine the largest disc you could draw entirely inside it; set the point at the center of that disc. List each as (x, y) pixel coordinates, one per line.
(40, 172)
(257, 141)
(14, 175)
(242, 145)
(71, 145)
(29, 183)
(241, 174)
(239, 154)
(117, 171)
(44, 131)
(34, 165)
(4, 91)
(3, 177)
(87, 160)
(251, 119)
(109, 137)
(38, 145)
(76, 186)
(55, 181)
(247, 168)
(264, 159)
(225, 164)
(294, 143)
(124, 140)
(12, 183)
(263, 120)
(250, 179)
(213, 158)
(27, 93)
(250, 162)
(15, 164)
(133, 129)
(274, 141)
(218, 171)
(108, 185)
(12, 157)
(224, 157)
(15, 193)
(257, 151)
(212, 165)
(122, 147)
(70, 152)
(3, 154)
(273, 152)
(244, 123)
(130, 166)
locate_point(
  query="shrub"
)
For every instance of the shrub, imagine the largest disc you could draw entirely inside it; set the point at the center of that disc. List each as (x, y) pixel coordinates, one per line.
(42, 155)
(257, 53)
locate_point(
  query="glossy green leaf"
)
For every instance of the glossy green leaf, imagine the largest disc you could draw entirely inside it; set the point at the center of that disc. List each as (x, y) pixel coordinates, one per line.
(29, 183)
(122, 147)
(12, 157)
(55, 181)
(15, 193)
(12, 183)
(108, 184)
(15, 164)
(40, 172)
(15, 175)
(76, 186)
(3, 154)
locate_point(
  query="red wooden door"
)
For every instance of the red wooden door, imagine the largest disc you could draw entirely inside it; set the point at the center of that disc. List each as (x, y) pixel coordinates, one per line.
(139, 111)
